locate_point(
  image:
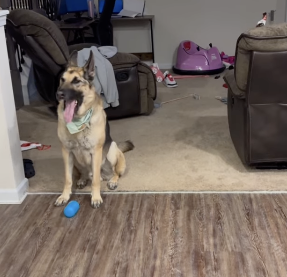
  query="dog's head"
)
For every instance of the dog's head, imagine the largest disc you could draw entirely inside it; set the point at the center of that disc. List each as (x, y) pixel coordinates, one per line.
(76, 93)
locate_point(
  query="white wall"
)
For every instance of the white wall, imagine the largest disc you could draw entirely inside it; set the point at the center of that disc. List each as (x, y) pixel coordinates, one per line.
(280, 15)
(203, 21)
(13, 184)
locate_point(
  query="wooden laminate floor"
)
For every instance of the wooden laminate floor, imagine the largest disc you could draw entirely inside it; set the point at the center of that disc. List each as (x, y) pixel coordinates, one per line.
(147, 235)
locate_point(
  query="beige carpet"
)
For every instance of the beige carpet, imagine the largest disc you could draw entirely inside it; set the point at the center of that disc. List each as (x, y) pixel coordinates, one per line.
(183, 146)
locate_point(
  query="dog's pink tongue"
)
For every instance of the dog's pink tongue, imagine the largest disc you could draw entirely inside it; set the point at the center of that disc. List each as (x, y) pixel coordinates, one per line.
(69, 111)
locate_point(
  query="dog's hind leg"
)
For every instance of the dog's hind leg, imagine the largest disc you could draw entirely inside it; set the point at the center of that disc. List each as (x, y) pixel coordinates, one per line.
(118, 162)
(83, 175)
(83, 181)
(84, 178)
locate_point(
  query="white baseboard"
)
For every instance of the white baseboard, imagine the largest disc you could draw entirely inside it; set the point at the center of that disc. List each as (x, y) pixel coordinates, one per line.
(14, 196)
(160, 65)
(165, 65)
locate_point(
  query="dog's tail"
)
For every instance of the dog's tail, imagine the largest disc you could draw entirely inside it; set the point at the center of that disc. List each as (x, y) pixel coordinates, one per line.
(126, 146)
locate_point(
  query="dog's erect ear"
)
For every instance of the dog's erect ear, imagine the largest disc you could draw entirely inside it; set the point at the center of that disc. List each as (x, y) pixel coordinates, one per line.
(89, 67)
(73, 59)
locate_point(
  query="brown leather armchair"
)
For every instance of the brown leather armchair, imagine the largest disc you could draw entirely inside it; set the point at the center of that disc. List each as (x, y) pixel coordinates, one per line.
(44, 43)
(257, 96)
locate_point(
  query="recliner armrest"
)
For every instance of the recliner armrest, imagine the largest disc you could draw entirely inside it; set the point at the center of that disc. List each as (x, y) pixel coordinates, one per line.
(229, 78)
(121, 60)
(81, 46)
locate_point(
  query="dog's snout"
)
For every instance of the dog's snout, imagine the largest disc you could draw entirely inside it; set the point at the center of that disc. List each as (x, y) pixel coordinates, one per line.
(60, 95)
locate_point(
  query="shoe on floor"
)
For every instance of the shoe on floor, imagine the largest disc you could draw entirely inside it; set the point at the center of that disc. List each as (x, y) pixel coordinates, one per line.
(28, 168)
(156, 71)
(169, 80)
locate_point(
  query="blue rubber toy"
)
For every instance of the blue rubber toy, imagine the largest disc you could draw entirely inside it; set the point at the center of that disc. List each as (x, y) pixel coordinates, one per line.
(71, 209)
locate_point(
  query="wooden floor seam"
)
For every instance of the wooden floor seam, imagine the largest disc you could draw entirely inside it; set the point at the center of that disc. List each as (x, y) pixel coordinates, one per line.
(166, 192)
(147, 235)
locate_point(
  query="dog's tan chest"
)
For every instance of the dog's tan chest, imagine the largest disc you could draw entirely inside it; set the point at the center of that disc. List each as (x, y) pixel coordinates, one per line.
(80, 141)
(81, 145)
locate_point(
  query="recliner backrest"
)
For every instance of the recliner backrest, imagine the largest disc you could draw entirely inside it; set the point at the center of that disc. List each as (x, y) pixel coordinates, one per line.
(261, 39)
(40, 38)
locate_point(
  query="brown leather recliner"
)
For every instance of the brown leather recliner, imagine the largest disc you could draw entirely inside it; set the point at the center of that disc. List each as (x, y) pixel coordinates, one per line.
(257, 96)
(44, 43)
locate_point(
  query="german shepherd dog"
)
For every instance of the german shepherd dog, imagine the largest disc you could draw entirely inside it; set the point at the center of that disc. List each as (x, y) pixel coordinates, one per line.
(91, 151)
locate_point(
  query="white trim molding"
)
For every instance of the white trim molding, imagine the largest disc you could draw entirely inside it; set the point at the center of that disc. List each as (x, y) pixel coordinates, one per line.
(3, 14)
(13, 184)
(162, 66)
(167, 66)
(14, 196)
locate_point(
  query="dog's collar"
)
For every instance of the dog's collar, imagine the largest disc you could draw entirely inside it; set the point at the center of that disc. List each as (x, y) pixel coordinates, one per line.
(78, 125)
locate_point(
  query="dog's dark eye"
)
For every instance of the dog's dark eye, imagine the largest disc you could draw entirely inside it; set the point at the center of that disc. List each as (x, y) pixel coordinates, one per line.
(75, 81)
(62, 80)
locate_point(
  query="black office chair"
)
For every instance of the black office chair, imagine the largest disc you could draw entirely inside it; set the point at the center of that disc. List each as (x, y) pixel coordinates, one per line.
(49, 7)
(104, 29)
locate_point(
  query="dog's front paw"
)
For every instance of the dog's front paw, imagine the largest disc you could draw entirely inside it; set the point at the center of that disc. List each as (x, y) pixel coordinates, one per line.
(81, 183)
(112, 185)
(62, 200)
(96, 201)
